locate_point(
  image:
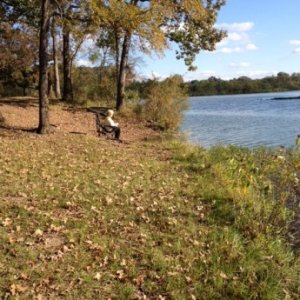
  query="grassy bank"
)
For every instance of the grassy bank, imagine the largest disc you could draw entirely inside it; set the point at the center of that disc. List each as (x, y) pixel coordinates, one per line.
(84, 218)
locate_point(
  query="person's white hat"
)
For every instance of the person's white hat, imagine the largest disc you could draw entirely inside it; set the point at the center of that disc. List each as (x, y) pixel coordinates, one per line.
(110, 113)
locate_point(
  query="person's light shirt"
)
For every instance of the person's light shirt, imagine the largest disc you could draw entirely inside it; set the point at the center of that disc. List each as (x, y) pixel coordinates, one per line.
(110, 122)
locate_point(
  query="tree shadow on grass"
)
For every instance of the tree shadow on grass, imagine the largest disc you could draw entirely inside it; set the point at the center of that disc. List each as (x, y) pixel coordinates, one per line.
(15, 129)
(19, 101)
(24, 101)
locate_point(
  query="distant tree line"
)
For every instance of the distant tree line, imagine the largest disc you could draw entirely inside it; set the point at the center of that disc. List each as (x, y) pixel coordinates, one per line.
(244, 85)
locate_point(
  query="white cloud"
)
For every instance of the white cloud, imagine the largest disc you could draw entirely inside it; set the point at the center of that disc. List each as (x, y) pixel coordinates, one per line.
(84, 62)
(256, 74)
(297, 51)
(155, 75)
(83, 53)
(240, 27)
(189, 76)
(240, 65)
(251, 47)
(295, 42)
(238, 38)
(222, 43)
(234, 36)
(228, 50)
(152, 75)
(88, 44)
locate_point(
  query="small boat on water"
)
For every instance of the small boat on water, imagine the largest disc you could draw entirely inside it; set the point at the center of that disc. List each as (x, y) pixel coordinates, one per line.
(287, 98)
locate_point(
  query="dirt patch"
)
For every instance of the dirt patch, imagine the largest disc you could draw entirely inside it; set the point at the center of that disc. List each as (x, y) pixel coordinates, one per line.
(20, 117)
(54, 242)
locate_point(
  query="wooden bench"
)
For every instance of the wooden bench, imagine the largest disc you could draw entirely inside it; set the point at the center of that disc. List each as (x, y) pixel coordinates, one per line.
(101, 128)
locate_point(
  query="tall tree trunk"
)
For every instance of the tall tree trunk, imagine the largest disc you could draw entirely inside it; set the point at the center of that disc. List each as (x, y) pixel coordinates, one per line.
(44, 125)
(25, 91)
(50, 84)
(55, 60)
(117, 56)
(2, 120)
(122, 72)
(67, 89)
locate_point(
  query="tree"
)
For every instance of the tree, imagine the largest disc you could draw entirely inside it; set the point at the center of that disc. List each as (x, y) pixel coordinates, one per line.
(75, 26)
(18, 55)
(67, 66)
(55, 59)
(192, 28)
(20, 11)
(148, 25)
(44, 125)
(2, 120)
(18, 43)
(130, 23)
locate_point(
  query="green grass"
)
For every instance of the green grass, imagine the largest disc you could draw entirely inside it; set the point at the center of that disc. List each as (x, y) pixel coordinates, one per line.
(84, 218)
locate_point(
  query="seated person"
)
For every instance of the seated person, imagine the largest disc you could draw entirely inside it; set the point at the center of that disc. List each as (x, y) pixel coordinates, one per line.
(110, 122)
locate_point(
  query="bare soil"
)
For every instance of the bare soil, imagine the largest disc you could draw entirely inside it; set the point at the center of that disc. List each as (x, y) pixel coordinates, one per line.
(21, 116)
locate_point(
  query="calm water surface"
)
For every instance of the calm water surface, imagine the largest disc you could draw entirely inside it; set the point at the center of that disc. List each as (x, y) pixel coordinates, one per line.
(245, 120)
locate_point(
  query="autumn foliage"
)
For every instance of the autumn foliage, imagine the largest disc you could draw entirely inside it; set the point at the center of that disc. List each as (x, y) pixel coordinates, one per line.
(164, 103)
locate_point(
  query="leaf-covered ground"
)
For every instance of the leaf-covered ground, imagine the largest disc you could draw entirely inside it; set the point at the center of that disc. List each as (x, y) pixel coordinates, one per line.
(89, 218)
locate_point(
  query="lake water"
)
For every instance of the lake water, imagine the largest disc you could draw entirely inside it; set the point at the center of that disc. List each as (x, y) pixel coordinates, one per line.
(244, 120)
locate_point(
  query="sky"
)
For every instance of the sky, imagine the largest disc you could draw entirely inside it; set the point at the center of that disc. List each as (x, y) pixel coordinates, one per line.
(263, 39)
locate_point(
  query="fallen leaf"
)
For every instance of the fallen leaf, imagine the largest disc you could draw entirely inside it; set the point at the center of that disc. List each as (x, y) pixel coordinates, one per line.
(6, 222)
(223, 275)
(120, 274)
(97, 276)
(123, 262)
(139, 280)
(17, 288)
(38, 232)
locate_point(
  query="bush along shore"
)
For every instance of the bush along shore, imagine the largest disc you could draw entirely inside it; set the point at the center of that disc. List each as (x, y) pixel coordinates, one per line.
(88, 218)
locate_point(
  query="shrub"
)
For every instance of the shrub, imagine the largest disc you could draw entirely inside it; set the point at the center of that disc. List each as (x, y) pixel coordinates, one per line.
(91, 84)
(164, 102)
